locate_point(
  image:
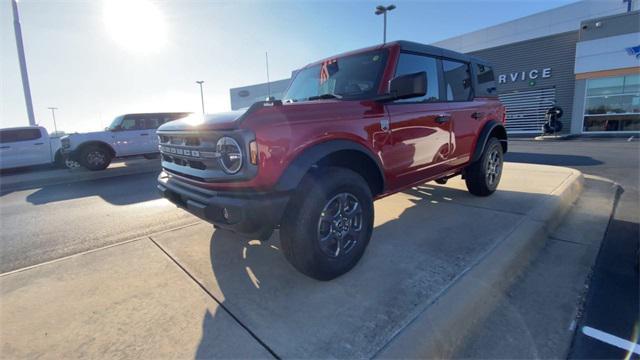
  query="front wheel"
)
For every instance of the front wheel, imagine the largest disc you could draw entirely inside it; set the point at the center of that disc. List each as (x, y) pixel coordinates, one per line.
(482, 177)
(95, 158)
(328, 223)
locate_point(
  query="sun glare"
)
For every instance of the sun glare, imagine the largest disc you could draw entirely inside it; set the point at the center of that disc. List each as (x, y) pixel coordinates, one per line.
(136, 25)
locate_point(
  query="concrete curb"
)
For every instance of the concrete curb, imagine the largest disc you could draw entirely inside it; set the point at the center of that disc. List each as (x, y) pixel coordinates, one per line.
(552, 137)
(62, 176)
(441, 328)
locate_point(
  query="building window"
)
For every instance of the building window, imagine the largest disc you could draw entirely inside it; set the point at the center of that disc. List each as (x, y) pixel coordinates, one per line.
(613, 104)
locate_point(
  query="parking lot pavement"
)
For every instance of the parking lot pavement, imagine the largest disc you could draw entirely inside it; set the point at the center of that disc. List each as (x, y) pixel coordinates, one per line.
(126, 301)
(539, 316)
(54, 221)
(612, 304)
(438, 256)
(19, 179)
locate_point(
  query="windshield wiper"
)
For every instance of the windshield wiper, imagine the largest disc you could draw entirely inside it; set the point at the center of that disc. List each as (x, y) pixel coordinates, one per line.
(325, 96)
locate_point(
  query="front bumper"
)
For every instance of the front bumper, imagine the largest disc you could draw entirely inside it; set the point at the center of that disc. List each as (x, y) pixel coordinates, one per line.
(248, 213)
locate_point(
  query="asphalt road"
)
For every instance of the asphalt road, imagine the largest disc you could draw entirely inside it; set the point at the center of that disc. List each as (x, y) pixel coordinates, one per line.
(612, 303)
(43, 224)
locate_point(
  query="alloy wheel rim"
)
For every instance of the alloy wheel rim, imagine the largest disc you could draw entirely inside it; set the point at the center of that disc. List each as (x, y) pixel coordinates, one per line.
(340, 225)
(70, 164)
(95, 158)
(494, 167)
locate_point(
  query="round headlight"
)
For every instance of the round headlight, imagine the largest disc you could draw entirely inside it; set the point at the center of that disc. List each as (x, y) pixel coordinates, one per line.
(230, 154)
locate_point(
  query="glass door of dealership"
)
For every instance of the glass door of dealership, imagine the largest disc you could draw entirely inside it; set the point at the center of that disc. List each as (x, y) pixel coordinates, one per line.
(612, 104)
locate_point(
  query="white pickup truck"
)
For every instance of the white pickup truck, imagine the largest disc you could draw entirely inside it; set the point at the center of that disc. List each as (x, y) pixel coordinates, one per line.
(128, 135)
(29, 146)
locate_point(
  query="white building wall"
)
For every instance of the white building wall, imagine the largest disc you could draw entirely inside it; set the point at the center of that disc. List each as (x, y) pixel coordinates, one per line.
(550, 22)
(607, 53)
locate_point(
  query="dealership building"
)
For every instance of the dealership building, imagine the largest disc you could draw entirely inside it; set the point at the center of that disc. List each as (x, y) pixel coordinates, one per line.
(583, 57)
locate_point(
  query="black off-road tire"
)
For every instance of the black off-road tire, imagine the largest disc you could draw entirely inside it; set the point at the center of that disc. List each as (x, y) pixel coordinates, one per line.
(483, 176)
(90, 158)
(300, 229)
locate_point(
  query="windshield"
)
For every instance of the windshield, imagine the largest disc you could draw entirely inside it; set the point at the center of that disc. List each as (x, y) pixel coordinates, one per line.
(115, 123)
(352, 77)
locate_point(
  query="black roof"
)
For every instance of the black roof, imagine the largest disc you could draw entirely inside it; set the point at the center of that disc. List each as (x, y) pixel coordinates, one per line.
(158, 113)
(436, 51)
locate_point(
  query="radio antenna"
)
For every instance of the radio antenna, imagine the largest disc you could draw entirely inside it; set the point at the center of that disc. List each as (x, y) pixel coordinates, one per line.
(266, 55)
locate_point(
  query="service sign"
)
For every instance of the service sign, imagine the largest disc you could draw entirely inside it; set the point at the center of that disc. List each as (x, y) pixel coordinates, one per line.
(529, 75)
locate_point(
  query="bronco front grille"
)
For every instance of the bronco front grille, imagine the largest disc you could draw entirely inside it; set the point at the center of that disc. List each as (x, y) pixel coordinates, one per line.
(196, 151)
(190, 140)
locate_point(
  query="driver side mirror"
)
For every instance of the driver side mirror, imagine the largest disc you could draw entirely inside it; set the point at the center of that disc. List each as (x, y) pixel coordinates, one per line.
(408, 86)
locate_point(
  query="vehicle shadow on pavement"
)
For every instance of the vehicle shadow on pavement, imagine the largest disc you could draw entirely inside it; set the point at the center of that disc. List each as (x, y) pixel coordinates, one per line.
(551, 159)
(422, 240)
(137, 188)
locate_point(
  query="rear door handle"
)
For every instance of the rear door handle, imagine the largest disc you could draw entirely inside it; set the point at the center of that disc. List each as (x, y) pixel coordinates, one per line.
(144, 134)
(38, 144)
(441, 119)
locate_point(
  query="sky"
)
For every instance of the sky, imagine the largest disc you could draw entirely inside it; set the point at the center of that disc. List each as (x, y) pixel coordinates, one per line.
(94, 59)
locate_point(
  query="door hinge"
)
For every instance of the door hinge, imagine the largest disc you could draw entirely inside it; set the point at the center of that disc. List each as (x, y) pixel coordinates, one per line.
(384, 124)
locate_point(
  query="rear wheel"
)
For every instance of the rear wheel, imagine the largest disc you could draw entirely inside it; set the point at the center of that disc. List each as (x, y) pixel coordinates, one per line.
(483, 176)
(71, 164)
(64, 162)
(328, 223)
(95, 158)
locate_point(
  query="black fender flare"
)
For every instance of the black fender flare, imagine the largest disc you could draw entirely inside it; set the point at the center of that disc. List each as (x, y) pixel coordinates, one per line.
(299, 167)
(489, 128)
(83, 145)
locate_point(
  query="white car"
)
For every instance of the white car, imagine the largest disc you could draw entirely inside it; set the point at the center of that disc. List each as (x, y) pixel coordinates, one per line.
(28, 146)
(128, 135)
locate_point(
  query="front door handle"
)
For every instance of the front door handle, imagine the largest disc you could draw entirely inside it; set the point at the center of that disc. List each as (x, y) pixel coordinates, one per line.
(5, 147)
(38, 144)
(477, 115)
(144, 134)
(441, 119)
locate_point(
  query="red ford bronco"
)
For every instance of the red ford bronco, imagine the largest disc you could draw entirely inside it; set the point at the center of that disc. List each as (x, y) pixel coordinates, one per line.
(350, 129)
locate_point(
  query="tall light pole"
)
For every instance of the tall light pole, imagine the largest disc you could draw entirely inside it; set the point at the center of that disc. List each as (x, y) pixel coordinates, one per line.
(53, 115)
(200, 82)
(383, 10)
(23, 63)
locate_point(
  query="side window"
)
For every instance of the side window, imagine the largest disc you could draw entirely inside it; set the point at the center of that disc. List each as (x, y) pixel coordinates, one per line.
(152, 122)
(486, 81)
(172, 117)
(411, 64)
(132, 124)
(457, 80)
(9, 136)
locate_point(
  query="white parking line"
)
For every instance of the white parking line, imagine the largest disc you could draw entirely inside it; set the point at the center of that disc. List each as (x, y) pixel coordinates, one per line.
(611, 339)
